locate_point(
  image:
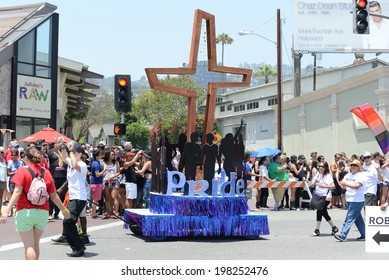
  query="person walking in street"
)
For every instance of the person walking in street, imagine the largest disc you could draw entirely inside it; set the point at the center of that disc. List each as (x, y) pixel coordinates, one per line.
(76, 175)
(353, 183)
(30, 219)
(324, 183)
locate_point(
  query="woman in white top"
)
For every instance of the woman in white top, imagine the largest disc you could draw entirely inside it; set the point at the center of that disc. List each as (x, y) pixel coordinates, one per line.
(353, 183)
(323, 183)
(263, 172)
(111, 184)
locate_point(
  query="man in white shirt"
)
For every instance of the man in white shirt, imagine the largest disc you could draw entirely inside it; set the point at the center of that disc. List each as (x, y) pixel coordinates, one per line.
(76, 175)
(379, 29)
(370, 178)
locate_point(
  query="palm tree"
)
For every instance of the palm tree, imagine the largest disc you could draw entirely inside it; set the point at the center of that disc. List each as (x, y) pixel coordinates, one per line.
(225, 40)
(266, 71)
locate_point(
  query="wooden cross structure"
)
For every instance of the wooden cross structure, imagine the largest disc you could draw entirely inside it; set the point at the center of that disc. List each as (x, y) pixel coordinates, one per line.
(152, 73)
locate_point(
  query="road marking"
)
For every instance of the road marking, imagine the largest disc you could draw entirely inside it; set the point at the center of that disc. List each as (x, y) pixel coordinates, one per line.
(48, 239)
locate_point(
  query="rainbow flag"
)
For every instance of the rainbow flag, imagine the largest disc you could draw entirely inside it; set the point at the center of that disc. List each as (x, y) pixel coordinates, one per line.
(371, 118)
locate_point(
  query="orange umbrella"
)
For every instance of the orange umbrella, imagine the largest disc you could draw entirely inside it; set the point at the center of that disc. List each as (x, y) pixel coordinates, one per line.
(46, 133)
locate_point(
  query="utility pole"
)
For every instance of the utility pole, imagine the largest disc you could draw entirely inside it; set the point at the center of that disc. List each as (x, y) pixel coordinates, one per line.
(279, 77)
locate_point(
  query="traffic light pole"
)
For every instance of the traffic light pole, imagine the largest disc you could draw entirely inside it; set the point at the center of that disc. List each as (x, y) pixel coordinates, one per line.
(378, 15)
(122, 121)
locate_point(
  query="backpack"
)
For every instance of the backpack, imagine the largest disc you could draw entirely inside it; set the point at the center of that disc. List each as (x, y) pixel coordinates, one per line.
(37, 194)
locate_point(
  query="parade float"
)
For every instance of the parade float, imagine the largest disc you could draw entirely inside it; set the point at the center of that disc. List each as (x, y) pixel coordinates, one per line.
(224, 213)
(181, 204)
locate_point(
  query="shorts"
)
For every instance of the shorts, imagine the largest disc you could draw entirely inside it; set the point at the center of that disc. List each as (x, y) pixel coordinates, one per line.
(3, 185)
(96, 190)
(131, 190)
(112, 184)
(27, 219)
(83, 212)
(11, 187)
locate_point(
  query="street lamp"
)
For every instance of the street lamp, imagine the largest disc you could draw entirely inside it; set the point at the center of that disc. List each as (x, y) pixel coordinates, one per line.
(279, 70)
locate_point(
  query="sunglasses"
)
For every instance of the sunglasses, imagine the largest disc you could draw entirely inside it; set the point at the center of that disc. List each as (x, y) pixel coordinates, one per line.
(321, 165)
(1, 152)
(366, 157)
(353, 165)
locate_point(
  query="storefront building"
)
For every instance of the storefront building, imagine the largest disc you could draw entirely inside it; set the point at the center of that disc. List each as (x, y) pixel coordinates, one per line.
(36, 86)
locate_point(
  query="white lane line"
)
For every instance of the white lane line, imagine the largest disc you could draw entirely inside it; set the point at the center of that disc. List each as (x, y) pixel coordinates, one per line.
(48, 239)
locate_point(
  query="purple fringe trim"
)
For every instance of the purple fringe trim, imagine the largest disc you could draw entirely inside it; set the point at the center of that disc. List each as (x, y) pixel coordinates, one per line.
(179, 226)
(217, 207)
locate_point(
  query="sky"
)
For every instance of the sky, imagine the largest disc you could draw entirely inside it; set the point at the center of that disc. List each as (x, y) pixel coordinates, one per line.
(127, 36)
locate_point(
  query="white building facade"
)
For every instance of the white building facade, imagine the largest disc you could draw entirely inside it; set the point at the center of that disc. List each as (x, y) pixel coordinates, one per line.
(316, 120)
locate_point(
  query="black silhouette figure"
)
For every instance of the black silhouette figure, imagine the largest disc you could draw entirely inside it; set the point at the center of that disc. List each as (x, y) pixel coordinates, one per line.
(226, 150)
(238, 156)
(169, 154)
(190, 159)
(209, 157)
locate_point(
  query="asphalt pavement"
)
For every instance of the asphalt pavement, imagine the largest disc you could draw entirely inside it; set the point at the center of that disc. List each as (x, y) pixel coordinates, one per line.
(289, 239)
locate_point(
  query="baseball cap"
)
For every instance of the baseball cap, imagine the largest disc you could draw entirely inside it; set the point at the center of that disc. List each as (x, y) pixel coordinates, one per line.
(367, 154)
(130, 154)
(14, 145)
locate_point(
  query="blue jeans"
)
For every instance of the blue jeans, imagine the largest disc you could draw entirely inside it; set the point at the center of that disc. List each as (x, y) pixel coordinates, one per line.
(146, 192)
(353, 216)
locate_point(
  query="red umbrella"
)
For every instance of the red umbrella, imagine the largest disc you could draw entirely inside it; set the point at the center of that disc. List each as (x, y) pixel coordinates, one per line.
(46, 133)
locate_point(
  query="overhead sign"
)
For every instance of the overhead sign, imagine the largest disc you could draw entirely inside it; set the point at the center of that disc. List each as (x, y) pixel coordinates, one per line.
(33, 97)
(377, 229)
(328, 26)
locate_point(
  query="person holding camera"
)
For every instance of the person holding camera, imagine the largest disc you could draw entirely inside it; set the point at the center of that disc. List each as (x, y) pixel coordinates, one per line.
(76, 177)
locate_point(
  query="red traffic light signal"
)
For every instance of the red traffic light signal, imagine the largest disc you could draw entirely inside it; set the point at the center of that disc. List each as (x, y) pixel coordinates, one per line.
(361, 4)
(122, 93)
(123, 82)
(361, 17)
(119, 129)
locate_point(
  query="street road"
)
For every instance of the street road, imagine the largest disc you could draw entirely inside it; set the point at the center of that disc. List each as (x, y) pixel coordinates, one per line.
(289, 239)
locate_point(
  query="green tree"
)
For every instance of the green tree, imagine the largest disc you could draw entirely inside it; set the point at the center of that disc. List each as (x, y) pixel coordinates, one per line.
(138, 134)
(101, 111)
(155, 106)
(265, 71)
(224, 39)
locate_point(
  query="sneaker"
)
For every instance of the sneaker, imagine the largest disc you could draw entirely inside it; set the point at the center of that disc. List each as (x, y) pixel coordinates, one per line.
(334, 230)
(339, 237)
(315, 233)
(257, 205)
(85, 239)
(292, 208)
(61, 239)
(361, 238)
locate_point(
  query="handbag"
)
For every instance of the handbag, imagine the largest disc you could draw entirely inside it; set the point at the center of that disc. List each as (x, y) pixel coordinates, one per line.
(317, 201)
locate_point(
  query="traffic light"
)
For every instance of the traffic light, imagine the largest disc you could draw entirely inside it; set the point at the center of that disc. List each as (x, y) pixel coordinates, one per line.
(361, 17)
(119, 129)
(122, 93)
